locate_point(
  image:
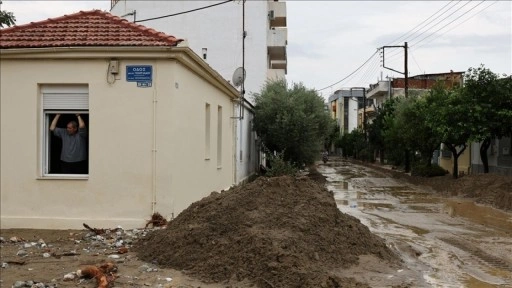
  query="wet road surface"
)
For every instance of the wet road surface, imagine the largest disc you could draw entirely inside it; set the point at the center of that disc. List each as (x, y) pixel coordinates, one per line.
(449, 242)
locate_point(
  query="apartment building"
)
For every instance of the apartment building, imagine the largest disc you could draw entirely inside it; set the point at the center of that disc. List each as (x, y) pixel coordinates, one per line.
(214, 30)
(419, 84)
(227, 35)
(345, 105)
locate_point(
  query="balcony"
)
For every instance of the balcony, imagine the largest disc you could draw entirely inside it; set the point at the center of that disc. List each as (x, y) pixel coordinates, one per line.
(279, 64)
(277, 14)
(378, 90)
(277, 39)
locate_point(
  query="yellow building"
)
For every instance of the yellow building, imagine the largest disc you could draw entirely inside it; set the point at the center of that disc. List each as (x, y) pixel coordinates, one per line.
(159, 122)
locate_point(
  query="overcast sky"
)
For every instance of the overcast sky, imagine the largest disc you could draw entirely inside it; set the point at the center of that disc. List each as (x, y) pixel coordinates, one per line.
(330, 40)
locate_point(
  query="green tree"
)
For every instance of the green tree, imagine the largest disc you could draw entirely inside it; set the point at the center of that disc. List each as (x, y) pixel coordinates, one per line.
(377, 128)
(333, 135)
(291, 120)
(490, 113)
(448, 119)
(6, 18)
(393, 140)
(353, 144)
(417, 136)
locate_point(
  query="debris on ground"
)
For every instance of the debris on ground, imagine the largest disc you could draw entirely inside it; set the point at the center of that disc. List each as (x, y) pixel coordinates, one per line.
(157, 220)
(111, 244)
(105, 274)
(275, 232)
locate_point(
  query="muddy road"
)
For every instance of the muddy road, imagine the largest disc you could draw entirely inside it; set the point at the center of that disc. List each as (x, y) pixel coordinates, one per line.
(447, 242)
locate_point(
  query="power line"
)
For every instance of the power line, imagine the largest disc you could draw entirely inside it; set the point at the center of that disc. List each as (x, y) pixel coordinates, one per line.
(350, 73)
(184, 12)
(410, 41)
(435, 24)
(414, 58)
(374, 67)
(458, 24)
(396, 40)
(446, 25)
(415, 46)
(449, 23)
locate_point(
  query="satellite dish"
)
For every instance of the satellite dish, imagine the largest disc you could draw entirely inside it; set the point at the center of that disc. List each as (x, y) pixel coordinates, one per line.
(238, 76)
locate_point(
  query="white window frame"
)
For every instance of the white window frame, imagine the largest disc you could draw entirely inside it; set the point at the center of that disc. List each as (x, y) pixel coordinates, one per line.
(57, 108)
(46, 143)
(207, 131)
(219, 137)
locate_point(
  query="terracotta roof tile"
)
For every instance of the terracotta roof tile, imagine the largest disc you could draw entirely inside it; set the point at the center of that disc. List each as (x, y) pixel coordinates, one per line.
(85, 28)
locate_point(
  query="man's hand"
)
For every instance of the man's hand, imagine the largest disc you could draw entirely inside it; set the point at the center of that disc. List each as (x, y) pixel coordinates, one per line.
(81, 123)
(53, 125)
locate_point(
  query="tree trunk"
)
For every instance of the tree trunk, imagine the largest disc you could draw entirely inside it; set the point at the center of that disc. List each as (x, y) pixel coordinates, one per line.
(381, 155)
(407, 161)
(456, 155)
(483, 153)
(455, 161)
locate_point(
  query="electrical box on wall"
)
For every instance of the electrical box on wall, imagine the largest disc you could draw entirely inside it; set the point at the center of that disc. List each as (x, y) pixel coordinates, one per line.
(113, 67)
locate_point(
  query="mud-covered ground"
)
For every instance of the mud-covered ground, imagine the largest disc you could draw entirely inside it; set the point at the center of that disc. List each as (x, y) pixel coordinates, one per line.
(282, 232)
(490, 189)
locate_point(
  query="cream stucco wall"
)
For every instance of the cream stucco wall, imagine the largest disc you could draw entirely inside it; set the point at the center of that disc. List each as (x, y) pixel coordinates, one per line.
(463, 162)
(146, 145)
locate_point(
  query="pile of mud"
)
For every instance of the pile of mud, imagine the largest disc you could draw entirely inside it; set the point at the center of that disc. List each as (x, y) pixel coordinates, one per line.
(486, 188)
(273, 232)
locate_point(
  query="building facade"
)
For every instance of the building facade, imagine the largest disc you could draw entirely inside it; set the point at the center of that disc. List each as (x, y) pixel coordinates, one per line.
(346, 107)
(160, 123)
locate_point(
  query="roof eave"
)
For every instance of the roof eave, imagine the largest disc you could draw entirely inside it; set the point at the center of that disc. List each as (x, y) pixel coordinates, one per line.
(191, 60)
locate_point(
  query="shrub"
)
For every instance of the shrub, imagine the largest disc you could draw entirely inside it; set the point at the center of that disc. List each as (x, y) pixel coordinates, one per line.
(279, 167)
(428, 170)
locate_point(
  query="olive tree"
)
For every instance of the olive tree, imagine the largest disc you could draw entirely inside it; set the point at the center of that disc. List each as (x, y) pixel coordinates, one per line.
(293, 120)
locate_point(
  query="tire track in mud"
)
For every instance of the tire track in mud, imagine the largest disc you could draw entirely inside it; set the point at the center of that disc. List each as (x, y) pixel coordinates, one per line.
(481, 260)
(406, 214)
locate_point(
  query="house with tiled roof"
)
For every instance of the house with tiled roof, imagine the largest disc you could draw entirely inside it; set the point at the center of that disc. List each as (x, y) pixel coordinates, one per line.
(158, 123)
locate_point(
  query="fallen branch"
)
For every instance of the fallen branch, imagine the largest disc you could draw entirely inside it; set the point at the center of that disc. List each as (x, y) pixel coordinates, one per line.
(157, 220)
(100, 231)
(95, 230)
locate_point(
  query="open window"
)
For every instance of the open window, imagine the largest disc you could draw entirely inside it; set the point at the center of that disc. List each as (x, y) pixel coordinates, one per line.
(67, 101)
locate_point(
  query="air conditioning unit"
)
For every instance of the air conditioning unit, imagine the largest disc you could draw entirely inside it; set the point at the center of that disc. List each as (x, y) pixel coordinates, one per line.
(271, 15)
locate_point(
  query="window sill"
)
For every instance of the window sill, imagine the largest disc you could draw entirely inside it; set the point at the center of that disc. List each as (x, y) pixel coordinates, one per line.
(62, 177)
(207, 159)
(219, 167)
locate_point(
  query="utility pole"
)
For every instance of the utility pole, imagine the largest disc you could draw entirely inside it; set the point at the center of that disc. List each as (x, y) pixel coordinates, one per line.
(406, 69)
(406, 72)
(406, 90)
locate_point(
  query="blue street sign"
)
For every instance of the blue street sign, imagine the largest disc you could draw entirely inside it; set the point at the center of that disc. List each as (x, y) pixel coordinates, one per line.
(139, 73)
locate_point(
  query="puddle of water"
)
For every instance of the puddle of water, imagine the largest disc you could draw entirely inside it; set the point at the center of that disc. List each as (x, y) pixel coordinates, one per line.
(483, 215)
(471, 282)
(342, 202)
(401, 227)
(424, 208)
(342, 185)
(372, 206)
